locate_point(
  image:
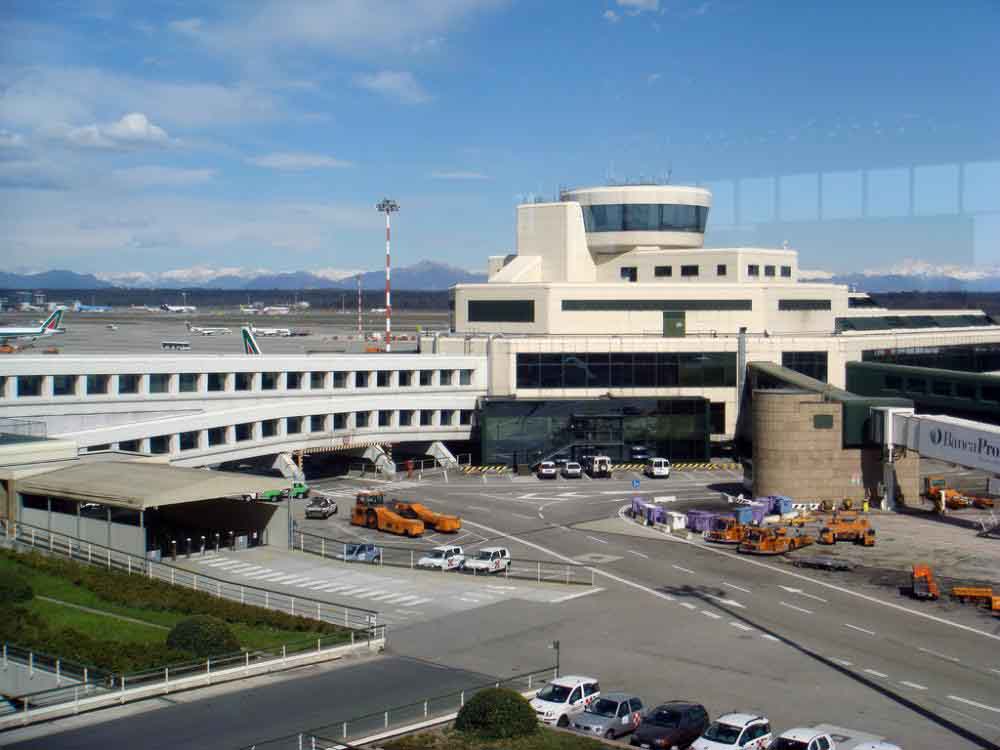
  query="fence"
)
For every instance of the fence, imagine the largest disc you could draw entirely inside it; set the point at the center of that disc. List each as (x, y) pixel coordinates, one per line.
(409, 557)
(93, 689)
(382, 724)
(95, 554)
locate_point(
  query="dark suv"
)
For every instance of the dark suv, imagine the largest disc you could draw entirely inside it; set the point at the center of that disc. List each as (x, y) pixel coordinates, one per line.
(673, 724)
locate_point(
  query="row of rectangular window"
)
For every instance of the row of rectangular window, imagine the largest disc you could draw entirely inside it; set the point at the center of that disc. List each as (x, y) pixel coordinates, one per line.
(627, 370)
(269, 428)
(187, 382)
(753, 269)
(887, 322)
(944, 388)
(631, 273)
(654, 305)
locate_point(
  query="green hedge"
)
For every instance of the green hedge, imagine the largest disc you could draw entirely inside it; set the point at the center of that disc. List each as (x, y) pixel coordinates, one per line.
(28, 630)
(497, 714)
(145, 593)
(203, 635)
(14, 590)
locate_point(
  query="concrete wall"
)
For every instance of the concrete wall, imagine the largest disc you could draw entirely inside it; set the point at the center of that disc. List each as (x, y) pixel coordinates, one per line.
(792, 457)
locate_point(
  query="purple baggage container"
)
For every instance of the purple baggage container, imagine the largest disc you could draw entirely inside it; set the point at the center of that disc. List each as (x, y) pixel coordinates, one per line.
(758, 511)
(700, 520)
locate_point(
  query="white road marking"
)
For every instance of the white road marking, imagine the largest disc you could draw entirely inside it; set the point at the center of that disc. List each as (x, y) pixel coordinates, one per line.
(877, 674)
(800, 592)
(913, 685)
(245, 569)
(728, 602)
(594, 538)
(995, 670)
(855, 627)
(688, 605)
(308, 583)
(713, 615)
(579, 595)
(770, 637)
(844, 662)
(798, 609)
(639, 554)
(939, 655)
(974, 703)
(317, 585)
(685, 570)
(734, 586)
(521, 515)
(740, 625)
(369, 594)
(421, 601)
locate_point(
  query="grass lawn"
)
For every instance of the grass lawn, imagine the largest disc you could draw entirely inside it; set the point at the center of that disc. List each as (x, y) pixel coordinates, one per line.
(449, 739)
(103, 627)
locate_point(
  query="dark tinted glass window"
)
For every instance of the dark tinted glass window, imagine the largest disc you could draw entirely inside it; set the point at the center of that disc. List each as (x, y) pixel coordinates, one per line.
(340, 421)
(361, 379)
(29, 385)
(189, 440)
(361, 419)
(689, 270)
(317, 423)
(991, 393)
(626, 370)
(426, 377)
(753, 270)
(97, 384)
(965, 390)
(244, 432)
(293, 425)
(629, 273)
(64, 385)
(941, 388)
(501, 311)
(159, 383)
(188, 382)
(405, 378)
(663, 271)
(644, 217)
(786, 272)
(803, 304)
(293, 381)
(720, 269)
(269, 381)
(573, 305)
(823, 421)
(916, 385)
(244, 381)
(317, 380)
(216, 381)
(769, 270)
(340, 379)
(812, 364)
(269, 428)
(128, 384)
(383, 378)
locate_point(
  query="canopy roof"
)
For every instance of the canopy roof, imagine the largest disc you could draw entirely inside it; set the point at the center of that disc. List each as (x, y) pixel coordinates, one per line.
(140, 485)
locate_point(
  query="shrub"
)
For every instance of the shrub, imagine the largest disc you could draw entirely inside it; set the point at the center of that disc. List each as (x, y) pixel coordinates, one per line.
(497, 713)
(14, 590)
(203, 635)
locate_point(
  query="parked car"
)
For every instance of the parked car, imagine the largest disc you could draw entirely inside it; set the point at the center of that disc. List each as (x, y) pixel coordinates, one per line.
(321, 507)
(657, 468)
(736, 731)
(564, 699)
(803, 738)
(362, 553)
(561, 459)
(612, 715)
(445, 557)
(597, 466)
(572, 470)
(673, 724)
(547, 470)
(489, 560)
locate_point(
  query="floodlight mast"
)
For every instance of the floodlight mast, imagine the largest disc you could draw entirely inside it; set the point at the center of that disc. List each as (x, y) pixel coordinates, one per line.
(387, 206)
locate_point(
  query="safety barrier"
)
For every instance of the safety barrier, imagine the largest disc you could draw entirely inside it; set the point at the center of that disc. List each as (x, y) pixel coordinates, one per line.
(94, 689)
(681, 466)
(487, 469)
(41, 539)
(384, 724)
(540, 571)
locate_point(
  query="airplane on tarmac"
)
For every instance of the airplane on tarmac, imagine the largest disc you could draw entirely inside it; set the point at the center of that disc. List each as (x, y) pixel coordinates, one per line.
(208, 331)
(48, 327)
(250, 345)
(178, 308)
(271, 331)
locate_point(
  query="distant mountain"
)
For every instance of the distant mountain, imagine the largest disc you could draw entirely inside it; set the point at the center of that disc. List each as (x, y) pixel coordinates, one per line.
(51, 280)
(425, 276)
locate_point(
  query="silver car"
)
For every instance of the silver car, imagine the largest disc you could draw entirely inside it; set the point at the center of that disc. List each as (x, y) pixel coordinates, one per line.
(572, 470)
(612, 715)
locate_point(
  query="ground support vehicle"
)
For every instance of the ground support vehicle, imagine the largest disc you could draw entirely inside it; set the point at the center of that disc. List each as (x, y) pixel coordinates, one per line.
(299, 489)
(851, 528)
(772, 540)
(437, 521)
(726, 530)
(489, 560)
(370, 511)
(673, 724)
(598, 467)
(981, 596)
(736, 731)
(444, 557)
(657, 468)
(321, 507)
(923, 584)
(561, 701)
(611, 716)
(274, 496)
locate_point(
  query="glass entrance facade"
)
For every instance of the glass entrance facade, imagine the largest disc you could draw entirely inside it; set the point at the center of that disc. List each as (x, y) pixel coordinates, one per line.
(526, 431)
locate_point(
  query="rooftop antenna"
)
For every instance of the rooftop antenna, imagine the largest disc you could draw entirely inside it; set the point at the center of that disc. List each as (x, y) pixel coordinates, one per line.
(387, 206)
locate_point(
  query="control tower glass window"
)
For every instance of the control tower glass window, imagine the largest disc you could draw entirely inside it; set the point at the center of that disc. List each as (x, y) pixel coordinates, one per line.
(753, 270)
(630, 273)
(689, 270)
(663, 271)
(645, 217)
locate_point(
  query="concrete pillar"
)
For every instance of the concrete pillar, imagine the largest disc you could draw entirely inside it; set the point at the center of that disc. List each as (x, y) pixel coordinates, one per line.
(144, 385)
(230, 434)
(48, 386)
(175, 444)
(173, 383)
(144, 446)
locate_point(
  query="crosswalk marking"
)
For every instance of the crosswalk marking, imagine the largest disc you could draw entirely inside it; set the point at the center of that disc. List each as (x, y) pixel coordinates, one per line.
(370, 594)
(398, 598)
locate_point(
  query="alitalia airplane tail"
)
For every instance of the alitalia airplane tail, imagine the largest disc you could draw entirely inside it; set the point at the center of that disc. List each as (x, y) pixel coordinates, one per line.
(250, 345)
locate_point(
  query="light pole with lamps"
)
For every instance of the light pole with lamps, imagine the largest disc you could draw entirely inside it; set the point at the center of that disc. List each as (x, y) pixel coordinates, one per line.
(387, 206)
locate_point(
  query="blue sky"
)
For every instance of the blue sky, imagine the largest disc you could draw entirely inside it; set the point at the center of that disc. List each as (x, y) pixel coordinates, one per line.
(168, 135)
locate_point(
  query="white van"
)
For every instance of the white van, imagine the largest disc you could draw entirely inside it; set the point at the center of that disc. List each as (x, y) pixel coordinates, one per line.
(657, 468)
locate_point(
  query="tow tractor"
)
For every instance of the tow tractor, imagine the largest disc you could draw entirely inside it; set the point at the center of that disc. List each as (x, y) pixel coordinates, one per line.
(370, 511)
(437, 521)
(726, 530)
(772, 540)
(847, 528)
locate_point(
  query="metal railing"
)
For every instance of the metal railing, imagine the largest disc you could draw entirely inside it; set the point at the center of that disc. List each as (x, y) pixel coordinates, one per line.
(88, 683)
(428, 711)
(540, 571)
(35, 537)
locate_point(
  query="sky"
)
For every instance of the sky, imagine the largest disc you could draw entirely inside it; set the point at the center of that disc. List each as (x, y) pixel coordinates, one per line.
(259, 134)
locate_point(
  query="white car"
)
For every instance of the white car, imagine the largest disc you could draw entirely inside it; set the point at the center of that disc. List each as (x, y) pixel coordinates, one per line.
(489, 560)
(547, 470)
(445, 557)
(572, 470)
(804, 738)
(657, 468)
(564, 699)
(736, 731)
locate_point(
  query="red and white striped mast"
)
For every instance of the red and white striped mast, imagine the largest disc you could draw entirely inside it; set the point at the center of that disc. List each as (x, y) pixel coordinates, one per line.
(387, 206)
(361, 334)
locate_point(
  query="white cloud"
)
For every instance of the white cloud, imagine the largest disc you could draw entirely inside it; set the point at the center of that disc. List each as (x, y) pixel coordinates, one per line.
(134, 130)
(639, 6)
(394, 84)
(151, 176)
(189, 26)
(297, 162)
(611, 17)
(653, 78)
(459, 175)
(11, 140)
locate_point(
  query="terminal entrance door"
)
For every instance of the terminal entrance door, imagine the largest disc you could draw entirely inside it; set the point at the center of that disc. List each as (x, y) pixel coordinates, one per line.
(674, 323)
